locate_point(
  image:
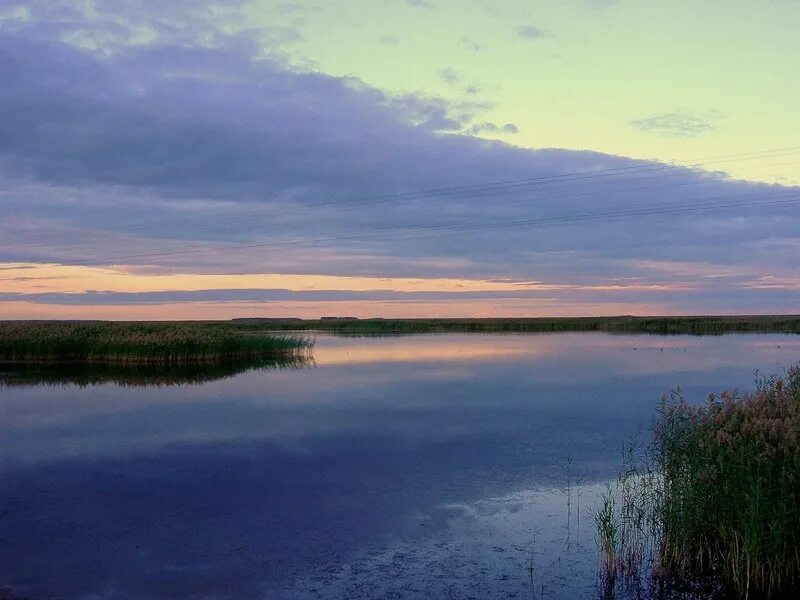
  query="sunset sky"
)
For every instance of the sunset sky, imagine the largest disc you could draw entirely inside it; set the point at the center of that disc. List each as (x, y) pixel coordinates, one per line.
(410, 158)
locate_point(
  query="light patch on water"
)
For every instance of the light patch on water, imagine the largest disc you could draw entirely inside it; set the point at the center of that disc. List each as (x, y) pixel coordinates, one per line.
(537, 543)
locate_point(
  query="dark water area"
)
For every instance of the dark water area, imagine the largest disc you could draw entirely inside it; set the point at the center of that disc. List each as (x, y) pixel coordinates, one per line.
(430, 466)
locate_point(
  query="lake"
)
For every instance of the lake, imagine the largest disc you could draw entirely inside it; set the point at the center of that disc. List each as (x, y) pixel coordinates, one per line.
(427, 466)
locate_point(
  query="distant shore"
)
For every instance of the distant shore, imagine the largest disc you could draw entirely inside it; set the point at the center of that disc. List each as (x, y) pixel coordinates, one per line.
(203, 342)
(660, 325)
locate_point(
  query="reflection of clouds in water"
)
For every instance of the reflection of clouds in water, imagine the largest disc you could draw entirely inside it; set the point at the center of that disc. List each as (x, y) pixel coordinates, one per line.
(488, 383)
(414, 477)
(258, 514)
(703, 352)
(428, 349)
(524, 544)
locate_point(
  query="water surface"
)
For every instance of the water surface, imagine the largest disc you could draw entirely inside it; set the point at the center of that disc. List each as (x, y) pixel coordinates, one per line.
(428, 466)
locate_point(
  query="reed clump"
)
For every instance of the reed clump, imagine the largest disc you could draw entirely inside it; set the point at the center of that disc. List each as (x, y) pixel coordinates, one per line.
(719, 495)
(731, 489)
(140, 342)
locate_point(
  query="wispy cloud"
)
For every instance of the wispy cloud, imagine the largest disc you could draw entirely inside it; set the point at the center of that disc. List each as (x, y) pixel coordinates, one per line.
(601, 3)
(675, 124)
(489, 127)
(531, 32)
(471, 44)
(449, 76)
(389, 40)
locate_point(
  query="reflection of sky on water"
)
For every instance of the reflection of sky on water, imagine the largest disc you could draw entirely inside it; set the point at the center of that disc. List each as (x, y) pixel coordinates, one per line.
(389, 468)
(528, 544)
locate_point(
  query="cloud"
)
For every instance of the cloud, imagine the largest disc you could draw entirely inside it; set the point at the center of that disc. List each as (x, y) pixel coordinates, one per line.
(489, 127)
(195, 150)
(294, 8)
(530, 32)
(389, 40)
(421, 3)
(600, 4)
(674, 124)
(95, 298)
(111, 25)
(471, 44)
(450, 76)
(434, 113)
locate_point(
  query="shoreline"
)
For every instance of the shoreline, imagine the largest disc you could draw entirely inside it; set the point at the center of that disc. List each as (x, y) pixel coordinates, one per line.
(659, 325)
(175, 343)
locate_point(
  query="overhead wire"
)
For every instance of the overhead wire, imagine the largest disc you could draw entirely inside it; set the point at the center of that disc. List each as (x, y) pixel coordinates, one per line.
(483, 192)
(720, 202)
(501, 188)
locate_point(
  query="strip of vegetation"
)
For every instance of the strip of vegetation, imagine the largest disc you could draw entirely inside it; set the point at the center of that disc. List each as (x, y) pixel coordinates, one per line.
(127, 374)
(714, 507)
(171, 343)
(700, 325)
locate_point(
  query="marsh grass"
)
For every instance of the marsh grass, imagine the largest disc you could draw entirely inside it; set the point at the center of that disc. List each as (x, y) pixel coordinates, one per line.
(171, 343)
(699, 325)
(712, 507)
(627, 525)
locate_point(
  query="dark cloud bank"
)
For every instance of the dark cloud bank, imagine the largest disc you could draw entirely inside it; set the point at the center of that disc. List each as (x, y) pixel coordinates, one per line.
(132, 139)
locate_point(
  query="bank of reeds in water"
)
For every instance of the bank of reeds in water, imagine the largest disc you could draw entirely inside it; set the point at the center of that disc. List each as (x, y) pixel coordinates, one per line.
(712, 507)
(171, 343)
(134, 374)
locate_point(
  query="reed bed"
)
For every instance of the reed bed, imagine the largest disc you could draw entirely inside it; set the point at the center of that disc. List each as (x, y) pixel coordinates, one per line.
(712, 507)
(172, 343)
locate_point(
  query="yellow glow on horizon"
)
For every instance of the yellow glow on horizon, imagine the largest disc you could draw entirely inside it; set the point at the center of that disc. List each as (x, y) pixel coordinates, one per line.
(72, 279)
(185, 311)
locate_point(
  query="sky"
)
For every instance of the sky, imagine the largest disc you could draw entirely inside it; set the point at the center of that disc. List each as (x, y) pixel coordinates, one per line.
(406, 158)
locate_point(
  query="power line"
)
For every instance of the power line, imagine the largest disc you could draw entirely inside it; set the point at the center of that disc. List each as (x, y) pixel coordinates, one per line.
(714, 203)
(476, 194)
(498, 187)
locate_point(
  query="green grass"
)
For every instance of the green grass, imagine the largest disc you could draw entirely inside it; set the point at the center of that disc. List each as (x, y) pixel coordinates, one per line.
(700, 325)
(715, 503)
(171, 343)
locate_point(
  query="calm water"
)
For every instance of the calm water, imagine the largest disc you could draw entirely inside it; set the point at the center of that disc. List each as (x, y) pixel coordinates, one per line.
(434, 466)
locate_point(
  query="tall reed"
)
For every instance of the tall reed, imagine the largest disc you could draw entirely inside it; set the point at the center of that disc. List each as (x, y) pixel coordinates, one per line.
(721, 503)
